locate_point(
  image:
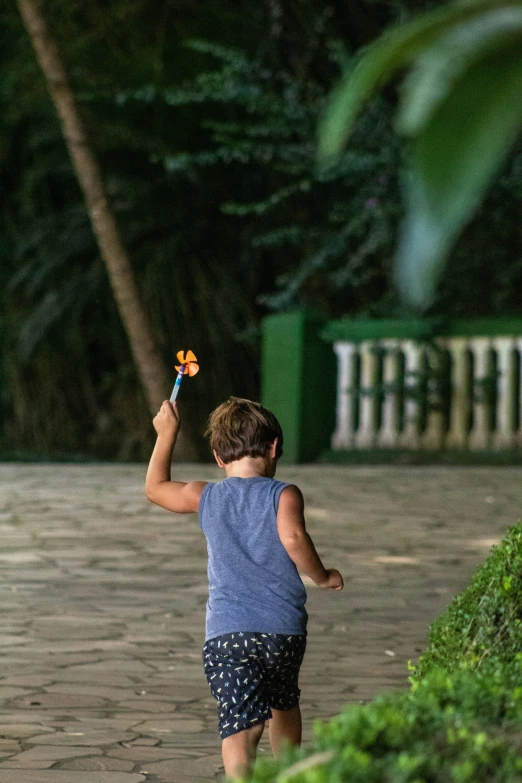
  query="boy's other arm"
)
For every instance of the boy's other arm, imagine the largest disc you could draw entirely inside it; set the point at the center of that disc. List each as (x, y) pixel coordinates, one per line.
(177, 496)
(298, 544)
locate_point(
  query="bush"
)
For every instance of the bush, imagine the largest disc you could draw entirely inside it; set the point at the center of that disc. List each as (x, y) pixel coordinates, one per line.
(461, 720)
(450, 727)
(483, 624)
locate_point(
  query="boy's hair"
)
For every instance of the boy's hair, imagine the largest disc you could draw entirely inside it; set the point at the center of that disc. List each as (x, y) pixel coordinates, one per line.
(242, 428)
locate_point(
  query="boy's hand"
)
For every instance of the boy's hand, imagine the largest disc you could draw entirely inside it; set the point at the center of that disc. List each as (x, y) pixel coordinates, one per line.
(167, 422)
(334, 581)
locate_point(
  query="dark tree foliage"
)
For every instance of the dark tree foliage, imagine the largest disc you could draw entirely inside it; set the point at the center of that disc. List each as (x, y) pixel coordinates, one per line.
(204, 118)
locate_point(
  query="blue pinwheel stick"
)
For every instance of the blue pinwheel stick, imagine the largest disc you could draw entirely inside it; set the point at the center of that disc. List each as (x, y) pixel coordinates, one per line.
(187, 366)
(175, 390)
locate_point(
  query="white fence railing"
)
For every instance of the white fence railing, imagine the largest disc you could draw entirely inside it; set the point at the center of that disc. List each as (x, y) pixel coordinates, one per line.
(459, 392)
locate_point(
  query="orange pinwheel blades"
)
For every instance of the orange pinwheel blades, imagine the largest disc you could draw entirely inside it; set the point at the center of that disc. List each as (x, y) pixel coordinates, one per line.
(182, 359)
(189, 360)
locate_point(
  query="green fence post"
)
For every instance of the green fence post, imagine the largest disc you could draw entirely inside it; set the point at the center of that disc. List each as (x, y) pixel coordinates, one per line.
(298, 382)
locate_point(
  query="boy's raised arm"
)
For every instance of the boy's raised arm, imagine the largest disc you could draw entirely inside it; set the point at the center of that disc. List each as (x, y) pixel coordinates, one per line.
(297, 542)
(177, 496)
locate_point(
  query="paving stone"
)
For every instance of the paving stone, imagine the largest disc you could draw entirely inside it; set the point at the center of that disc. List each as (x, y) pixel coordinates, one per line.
(88, 723)
(70, 659)
(30, 680)
(113, 664)
(37, 718)
(177, 694)
(143, 753)
(19, 557)
(66, 776)
(110, 678)
(9, 640)
(107, 692)
(150, 741)
(147, 706)
(93, 737)
(84, 645)
(104, 596)
(9, 745)
(89, 632)
(185, 753)
(160, 727)
(45, 753)
(9, 693)
(181, 770)
(28, 764)
(58, 699)
(204, 739)
(19, 730)
(103, 764)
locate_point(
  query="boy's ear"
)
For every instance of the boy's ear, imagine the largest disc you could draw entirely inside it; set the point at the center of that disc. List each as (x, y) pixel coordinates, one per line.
(218, 459)
(273, 448)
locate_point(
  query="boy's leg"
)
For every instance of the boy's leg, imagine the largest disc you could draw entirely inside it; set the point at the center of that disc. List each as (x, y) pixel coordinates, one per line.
(239, 750)
(284, 726)
(237, 681)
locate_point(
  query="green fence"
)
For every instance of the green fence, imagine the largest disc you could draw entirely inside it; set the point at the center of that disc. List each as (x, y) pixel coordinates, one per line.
(409, 383)
(299, 383)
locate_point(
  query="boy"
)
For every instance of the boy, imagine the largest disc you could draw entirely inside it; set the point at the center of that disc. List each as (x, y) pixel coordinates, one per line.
(256, 538)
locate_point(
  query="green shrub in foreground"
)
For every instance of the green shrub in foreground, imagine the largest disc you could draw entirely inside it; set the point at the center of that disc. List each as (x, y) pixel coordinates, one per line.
(460, 722)
(450, 728)
(484, 622)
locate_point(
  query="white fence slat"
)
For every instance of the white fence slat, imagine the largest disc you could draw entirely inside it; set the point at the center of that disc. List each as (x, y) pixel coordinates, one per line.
(505, 424)
(433, 437)
(460, 403)
(480, 436)
(344, 430)
(410, 437)
(389, 433)
(404, 376)
(367, 431)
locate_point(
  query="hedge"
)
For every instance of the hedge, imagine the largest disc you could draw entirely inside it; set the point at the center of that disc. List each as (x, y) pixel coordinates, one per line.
(483, 624)
(461, 721)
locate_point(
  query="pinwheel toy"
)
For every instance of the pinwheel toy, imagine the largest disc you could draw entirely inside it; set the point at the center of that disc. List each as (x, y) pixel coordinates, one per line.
(187, 366)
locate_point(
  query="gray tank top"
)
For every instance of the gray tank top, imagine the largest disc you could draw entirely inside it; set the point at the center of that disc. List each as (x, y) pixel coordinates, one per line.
(253, 583)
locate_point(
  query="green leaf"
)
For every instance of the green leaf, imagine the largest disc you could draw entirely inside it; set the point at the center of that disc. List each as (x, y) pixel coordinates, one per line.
(438, 68)
(393, 50)
(454, 156)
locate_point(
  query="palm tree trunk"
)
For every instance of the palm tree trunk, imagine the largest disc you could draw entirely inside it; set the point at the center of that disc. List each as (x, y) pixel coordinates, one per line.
(151, 369)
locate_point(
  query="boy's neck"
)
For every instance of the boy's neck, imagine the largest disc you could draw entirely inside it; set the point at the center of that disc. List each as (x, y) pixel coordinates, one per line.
(250, 467)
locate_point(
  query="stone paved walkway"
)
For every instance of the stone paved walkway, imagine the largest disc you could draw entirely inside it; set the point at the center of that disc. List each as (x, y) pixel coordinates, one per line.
(102, 601)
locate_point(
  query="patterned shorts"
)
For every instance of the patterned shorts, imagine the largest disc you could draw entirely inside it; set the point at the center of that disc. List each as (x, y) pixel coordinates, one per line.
(249, 673)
